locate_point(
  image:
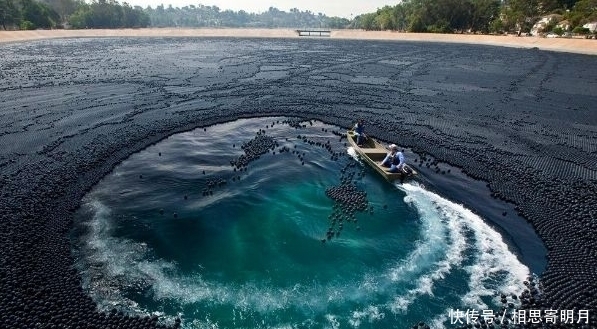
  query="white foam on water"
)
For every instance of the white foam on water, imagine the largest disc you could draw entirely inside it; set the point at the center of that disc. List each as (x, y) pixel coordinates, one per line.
(201, 324)
(440, 248)
(353, 153)
(496, 268)
(332, 321)
(494, 259)
(370, 314)
(438, 321)
(123, 262)
(115, 264)
(432, 241)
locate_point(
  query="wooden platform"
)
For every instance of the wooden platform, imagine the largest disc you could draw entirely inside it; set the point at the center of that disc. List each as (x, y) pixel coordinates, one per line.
(314, 33)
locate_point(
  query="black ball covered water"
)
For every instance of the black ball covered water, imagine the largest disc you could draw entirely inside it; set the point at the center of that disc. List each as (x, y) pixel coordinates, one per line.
(545, 169)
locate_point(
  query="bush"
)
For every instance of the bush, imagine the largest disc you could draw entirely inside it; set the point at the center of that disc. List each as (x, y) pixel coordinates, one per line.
(558, 30)
(442, 26)
(581, 30)
(417, 25)
(27, 25)
(496, 26)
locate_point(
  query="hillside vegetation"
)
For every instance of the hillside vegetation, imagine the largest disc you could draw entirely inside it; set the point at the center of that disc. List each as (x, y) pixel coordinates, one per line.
(483, 16)
(443, 16)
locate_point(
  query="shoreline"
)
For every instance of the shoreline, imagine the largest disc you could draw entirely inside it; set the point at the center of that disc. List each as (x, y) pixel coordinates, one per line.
(572, 45)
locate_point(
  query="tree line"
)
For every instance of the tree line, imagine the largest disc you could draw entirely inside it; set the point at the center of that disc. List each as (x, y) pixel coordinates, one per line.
(475, 16)
(212, 16)
(444, 16)
(47, 14)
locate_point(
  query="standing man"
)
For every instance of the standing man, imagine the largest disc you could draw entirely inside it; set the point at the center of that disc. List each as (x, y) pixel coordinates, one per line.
(359, 129)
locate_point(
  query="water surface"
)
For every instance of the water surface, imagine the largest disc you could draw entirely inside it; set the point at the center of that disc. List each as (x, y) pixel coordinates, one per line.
(163, 234)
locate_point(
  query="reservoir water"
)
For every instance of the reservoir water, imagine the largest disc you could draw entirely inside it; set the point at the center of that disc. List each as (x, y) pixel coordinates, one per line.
(178, 231)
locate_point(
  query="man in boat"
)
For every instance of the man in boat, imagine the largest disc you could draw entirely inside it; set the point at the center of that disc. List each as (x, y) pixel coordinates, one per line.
(394, 160)
(359, 130)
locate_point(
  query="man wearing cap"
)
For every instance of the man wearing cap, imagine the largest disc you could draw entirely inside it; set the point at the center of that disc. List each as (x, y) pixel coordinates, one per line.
(394, 160)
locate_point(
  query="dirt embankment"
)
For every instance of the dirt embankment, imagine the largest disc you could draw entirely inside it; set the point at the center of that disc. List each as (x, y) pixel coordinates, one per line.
(572, 45)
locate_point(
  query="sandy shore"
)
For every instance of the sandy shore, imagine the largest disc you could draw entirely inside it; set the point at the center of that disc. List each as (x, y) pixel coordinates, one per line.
(580, 46)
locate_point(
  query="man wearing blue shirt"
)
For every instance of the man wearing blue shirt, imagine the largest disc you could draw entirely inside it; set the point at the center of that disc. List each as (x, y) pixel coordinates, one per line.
(359, 129)
(394, 160)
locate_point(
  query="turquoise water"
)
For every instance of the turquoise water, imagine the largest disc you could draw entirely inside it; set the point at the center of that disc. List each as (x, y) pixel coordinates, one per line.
(156, 237)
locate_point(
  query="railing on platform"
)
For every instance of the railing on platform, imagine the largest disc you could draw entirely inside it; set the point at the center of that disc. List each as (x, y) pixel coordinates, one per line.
(314, 33)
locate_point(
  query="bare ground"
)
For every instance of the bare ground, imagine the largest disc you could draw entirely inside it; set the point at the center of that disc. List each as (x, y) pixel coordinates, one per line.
(572, 45)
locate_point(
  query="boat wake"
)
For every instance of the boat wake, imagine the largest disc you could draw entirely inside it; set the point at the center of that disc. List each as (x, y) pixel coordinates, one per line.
(458, 261)
(438, 256)
(470, 246)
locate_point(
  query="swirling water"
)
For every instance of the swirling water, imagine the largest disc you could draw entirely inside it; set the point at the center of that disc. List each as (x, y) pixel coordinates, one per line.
(151, 239)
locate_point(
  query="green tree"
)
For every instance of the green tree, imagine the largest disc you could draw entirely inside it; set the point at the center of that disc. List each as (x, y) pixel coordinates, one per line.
(484, 13)
(521, 14)
(434, 15)
(566, 4)
(586, 8)
(558, 30)
(496, 26)
(584, 11)
(384, 19)
(81, 19)
(368, 22)
(338, 23)
(549, 6)
(440, 26)
(9, 13)
(38, 14)
(417, 24)
(64, 8)
(134, 17)
(400, 14)
(27, 25)
(581, 30)
(104, 14)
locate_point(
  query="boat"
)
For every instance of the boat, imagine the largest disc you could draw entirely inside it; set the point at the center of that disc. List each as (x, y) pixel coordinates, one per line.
(373, 153)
